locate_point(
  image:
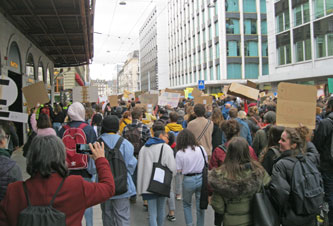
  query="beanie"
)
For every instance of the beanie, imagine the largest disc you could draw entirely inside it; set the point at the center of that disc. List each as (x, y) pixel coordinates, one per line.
(110, 124)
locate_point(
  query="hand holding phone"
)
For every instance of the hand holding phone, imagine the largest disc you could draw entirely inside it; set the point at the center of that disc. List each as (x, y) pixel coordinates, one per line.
(83, 149)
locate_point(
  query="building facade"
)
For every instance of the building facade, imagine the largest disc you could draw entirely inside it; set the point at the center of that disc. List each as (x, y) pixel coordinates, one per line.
(300, 41)
(216, 41)
(102, 85)
(129, 78)
(154, 62)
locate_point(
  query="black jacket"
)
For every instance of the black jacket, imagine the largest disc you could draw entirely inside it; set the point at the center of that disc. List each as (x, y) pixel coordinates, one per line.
(322, 140)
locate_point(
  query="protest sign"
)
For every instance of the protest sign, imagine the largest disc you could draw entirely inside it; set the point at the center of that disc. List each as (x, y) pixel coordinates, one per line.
(242, 91)
(296, 105)
(85, 94)
(181, 92)
(149, 99)
(113, 100)
(203, 100)
(225, 89)
(35, 93)
(251, 84)
(171, 99)
(196, 93)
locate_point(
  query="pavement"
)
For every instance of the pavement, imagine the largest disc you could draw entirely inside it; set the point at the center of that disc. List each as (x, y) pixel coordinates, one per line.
(139, 215)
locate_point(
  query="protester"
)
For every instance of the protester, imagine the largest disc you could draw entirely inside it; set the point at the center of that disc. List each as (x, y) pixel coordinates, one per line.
(47, 168)
(126, 119)
(10, 130)
(172, 125)
(9, 170)
(43, 126)
(202, 128)
(58, 117)
(235, 183)
(149, 154)
(116, 211)
(244, 127)
(217, 135)
(96, 123)
(190, 160)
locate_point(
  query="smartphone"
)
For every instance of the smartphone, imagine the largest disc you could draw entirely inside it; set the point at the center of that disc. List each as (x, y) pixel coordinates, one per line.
(83, 149)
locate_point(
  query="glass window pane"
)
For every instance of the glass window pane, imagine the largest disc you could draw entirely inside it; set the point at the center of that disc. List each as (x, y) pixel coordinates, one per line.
(217, 29)
(210, 33)
(264, 49)
(234, 71)
(233, 48)
(288, 54)
(329, 7)
(299, 51)
(205, 74)
(319, 8)
(306, 12)
(298, 15)
(247, 27)
(211, 72)
(232, 26)
(265, 69)
(321, 47)
(218, 72)
(251, 71)
(279, 23)
(249, 6)
(217, 50)
(231, 6)
(264, 27)
(286, 20)
(330, 44)
(263, 6)
(308, 49)
(281, 55)
(251, 48)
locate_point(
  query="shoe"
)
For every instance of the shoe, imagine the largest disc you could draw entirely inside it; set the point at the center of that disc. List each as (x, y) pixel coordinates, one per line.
(145, 205)
(171, 218)
(178, 197)
(133, 199)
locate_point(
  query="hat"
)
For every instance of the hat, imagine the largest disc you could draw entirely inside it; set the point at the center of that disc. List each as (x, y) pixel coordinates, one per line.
(270, 117)
(110, 124)
(252, 104)
(241, 115)
(181, 113)
(76, 112)
(119, 110)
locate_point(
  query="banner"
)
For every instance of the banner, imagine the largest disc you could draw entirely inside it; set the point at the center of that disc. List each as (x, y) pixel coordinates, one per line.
(171, 99)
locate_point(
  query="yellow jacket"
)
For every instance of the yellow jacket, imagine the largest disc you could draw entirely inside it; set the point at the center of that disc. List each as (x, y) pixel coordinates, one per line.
(173, 126)
(122, 125)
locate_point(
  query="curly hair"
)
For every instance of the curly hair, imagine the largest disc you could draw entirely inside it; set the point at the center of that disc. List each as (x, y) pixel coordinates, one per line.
(186, 138)
(295, 138)
(230, 128)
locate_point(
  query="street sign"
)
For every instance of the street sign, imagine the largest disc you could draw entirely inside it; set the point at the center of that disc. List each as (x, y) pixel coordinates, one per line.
(201, 84)
(8, 92)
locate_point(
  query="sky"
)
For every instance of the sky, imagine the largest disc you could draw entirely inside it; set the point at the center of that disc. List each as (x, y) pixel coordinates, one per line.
(116, 33)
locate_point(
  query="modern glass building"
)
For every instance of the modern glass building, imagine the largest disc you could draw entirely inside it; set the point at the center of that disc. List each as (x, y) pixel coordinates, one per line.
(219, 41)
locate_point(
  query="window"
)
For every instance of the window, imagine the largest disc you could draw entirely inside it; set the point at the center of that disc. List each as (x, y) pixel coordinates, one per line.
(204, 36)
(302, 43)
(321, 46)
(232, 26)
(233, 48)
(251, 71)
(211, 72)
(282, 21)
(231, 6)
(284, 54)
(330, 44)
(218, 72)
(210, 33)
(264, 27)
(319, 8)
(329, 7)
(299, 51)
(301, 14)
(200, 75)
(205, 74)
(251, 48)
(217, 29)
(210, 53)
(190, 77)
(205, 56)
(234, 71)
(249, 6)
(250, 26)
(264, 69)
(217, 50)
(264, 49)
(263, 6)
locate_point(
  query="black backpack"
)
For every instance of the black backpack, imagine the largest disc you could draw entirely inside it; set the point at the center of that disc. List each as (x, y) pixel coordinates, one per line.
(133, 135)
(307, 193)
(117, 165)
(41, 215)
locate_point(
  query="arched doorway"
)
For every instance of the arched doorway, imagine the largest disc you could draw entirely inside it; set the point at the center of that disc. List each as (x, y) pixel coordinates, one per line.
(30, 70)
(15, 73)
(40, 71)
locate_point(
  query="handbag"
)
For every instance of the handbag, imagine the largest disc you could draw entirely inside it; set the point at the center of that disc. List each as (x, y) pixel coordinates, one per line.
(160, 180)
(204, 186)
(263, 210)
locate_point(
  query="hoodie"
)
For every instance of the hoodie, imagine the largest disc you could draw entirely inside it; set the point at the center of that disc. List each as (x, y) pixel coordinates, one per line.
(173, 126)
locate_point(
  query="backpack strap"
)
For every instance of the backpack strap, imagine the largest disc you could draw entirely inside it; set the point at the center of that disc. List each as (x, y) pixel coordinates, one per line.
(276, 152)
(66, 127)
(58, 189)
(119, 142)
(26, 193)
(161, 153)
(82, 125)
(203, 131)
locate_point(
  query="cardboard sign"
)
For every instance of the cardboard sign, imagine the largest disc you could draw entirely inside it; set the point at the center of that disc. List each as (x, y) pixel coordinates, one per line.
(242, 91)
(171, 99)
(138, 93)
(35, 93)
(14, 116)
(113, 100)
(203, 100)
(182, 93)
(196, 93)
(85, 94)
(330, 85)
(225, 89)
(149, 99)
(251, 84)
(296, 105)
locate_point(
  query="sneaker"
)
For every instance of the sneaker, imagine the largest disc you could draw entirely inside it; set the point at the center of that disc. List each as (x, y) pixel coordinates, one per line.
(178, 197)
(171, 218)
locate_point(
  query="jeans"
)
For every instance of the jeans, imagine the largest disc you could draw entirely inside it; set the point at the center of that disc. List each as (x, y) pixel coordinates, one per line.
(178, 183)
(328, 188)
(88, 213)
(116, 212)
(156, 211)
(192, 185)
(56, 126)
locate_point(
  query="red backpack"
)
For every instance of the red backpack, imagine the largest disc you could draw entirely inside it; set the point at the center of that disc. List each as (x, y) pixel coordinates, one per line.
(71, 137)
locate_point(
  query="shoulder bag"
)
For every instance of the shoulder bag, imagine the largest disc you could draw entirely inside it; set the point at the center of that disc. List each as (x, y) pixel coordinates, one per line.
(204, 186)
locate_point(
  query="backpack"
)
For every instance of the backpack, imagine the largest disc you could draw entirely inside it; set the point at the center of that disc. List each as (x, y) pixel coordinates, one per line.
(306, 195)
(71, 137)
(41, 215)
(117, 165)
(133, 135)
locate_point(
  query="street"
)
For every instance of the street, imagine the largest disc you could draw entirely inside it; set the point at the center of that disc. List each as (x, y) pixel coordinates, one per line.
(139, 216)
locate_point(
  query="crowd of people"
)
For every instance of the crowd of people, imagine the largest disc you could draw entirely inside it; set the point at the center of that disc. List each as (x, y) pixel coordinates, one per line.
(246, 153)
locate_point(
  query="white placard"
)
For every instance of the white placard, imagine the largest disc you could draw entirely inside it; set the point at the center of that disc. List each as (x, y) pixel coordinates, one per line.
(91, 95)
(159, 175)
(171, 99)
(14, 116)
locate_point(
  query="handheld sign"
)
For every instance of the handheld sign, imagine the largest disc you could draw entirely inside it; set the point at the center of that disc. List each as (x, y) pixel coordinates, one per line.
(35, 93)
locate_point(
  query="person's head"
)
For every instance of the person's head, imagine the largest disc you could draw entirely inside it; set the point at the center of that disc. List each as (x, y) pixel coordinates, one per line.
(173, 116)
(159, 131)
(230, 128)
(253, 111)
(274, 135)
(233, 112)
(291, 140)
(199, 110)
(119, 110)
(43, 121)
(127, 115)
(137, 113)
(110, 124)
(241, 115)
(217, 116)
(270, 117)
(184, 139)
(47, 155)
(76, 112)
(57, 108)
(329, 105)
(89, 113)
(305, 134)
(3, 138)
(97, 120)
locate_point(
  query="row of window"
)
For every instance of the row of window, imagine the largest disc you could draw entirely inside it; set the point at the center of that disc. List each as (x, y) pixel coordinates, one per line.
(249, 6)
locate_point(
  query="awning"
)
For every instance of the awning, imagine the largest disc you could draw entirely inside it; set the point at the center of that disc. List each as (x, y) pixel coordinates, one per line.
(78, 79)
